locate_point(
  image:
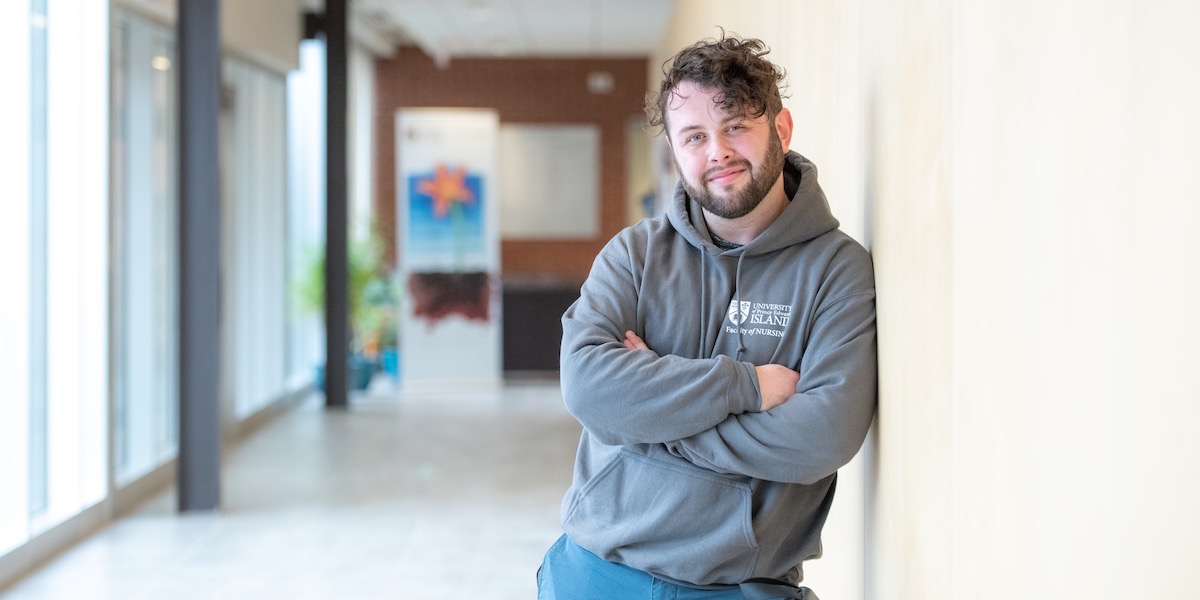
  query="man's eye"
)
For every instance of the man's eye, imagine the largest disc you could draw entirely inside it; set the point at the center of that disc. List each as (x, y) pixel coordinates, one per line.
(694, 138)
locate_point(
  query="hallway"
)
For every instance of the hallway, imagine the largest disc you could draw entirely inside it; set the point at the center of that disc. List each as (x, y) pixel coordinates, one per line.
(436, 497)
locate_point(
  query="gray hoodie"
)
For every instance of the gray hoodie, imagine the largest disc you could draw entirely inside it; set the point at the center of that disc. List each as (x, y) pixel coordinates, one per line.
(678, 472)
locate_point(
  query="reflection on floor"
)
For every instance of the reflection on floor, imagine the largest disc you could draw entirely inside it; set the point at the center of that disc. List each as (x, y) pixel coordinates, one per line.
(396, 497)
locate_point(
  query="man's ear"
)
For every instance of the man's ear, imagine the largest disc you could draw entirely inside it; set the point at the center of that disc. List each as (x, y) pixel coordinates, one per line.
(783, 127)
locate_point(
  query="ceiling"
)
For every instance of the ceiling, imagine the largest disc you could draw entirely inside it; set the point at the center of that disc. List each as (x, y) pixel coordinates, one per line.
(448, 29)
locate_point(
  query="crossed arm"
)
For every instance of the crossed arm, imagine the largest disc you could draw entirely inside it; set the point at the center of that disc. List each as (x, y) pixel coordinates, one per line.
(764, 421)
(810, 423)
(776, 383)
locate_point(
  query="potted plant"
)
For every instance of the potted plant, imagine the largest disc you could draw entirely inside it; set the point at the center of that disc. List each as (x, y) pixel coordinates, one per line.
(382, 295)
(367, 312)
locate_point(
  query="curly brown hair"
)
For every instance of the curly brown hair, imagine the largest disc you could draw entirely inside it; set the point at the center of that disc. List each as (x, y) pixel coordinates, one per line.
(749, 83)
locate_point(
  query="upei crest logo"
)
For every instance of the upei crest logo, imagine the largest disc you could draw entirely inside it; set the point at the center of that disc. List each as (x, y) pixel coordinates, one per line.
(738, 312)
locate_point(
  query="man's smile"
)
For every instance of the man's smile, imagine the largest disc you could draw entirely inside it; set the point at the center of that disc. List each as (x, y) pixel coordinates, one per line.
(725, 176)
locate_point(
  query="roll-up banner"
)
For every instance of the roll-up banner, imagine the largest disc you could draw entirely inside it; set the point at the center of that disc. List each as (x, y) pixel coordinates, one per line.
(448, 245)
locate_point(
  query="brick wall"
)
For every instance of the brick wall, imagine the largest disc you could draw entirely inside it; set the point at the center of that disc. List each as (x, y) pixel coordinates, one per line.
(522, 91)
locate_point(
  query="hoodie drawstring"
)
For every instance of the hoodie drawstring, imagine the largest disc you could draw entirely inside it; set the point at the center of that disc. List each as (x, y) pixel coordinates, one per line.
(737, 290)
(703, 297)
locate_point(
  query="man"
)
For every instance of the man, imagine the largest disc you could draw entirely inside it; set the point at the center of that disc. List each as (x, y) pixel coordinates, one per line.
(721, 359)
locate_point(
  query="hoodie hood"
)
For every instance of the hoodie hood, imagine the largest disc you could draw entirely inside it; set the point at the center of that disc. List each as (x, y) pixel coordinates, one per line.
(807, 215)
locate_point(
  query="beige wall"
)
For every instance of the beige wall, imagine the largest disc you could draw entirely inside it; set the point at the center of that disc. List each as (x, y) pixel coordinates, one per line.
(1024, 170)
(267, 32)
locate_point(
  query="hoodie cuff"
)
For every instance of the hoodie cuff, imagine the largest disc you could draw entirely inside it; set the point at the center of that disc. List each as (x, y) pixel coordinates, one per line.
(744, 393)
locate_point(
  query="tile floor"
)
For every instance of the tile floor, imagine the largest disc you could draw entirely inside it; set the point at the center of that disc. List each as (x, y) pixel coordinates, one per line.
(396, 497)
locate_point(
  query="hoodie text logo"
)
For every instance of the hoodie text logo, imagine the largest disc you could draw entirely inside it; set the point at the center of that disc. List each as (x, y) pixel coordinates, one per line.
(738, 311)
(771, 319)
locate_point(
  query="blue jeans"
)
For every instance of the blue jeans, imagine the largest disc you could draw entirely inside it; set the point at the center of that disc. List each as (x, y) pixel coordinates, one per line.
(572, 573)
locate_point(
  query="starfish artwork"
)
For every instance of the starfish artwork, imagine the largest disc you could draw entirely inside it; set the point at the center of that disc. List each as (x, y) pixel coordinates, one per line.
(445, 188)
(446, 220)
(446, 215)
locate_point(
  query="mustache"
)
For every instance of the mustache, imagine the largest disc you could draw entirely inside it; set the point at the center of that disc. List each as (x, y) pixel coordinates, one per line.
(741, 162)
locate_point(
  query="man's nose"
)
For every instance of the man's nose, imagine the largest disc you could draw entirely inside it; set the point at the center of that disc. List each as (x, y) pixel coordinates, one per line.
(718, 150)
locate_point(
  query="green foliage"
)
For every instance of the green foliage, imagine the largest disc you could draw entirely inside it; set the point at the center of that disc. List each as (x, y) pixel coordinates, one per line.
(382, 296)
(373, 294)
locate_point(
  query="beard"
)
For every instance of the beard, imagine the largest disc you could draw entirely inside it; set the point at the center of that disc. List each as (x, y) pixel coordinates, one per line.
(736, 204)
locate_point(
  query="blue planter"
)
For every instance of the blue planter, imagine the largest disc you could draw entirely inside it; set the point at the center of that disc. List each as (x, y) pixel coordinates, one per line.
(362, 370)
(390, 357)
(359, 373)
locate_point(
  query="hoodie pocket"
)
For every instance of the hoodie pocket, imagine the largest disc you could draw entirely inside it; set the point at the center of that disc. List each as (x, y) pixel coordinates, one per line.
(667, 517)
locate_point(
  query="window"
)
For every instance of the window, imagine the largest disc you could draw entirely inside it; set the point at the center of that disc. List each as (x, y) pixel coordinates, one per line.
(306, 202)
(16, 23)
(254, 240)
(38, 493)
(53, 258)
(145, 200)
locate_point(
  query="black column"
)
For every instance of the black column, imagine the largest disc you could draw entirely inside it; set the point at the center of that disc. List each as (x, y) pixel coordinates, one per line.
(337, 305)
(198, 28)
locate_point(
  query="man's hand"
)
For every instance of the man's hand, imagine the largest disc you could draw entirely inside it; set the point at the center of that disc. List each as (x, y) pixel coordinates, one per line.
(776, 383)
(633, 342)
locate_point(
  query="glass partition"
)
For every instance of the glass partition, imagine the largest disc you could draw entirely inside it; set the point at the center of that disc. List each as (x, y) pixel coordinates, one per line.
(145, 241)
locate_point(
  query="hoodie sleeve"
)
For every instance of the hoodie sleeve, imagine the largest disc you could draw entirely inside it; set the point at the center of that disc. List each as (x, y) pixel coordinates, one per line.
(624, 396)
(822, 426)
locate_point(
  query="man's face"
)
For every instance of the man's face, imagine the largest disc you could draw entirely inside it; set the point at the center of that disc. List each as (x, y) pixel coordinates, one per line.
(727, 161)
